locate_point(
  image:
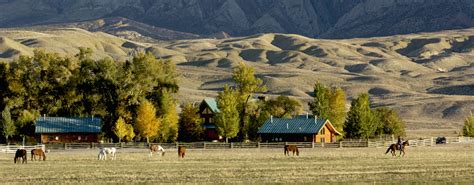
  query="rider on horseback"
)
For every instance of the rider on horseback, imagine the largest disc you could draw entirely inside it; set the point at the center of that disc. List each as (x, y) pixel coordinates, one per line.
(399, 143)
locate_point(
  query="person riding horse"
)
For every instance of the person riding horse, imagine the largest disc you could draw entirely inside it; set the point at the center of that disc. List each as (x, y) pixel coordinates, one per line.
(399, 143)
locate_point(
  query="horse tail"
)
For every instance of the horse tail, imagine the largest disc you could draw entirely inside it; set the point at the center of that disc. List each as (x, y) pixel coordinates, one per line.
(388, 149)
(297, 152)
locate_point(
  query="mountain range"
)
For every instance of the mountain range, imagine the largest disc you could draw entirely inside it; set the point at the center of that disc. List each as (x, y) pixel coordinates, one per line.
(311, 18)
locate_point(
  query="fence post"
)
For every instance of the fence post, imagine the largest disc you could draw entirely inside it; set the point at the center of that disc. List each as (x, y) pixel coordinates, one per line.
(312, 144)
(65, 146)
(204, 145)
(340, 144)
(322, 144)
(231, 145)
(121, 144)
(258, 145)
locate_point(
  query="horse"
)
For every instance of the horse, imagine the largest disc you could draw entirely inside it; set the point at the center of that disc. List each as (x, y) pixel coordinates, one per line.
(156, 149)
(291, 148)
(104, 151)
(37, 152)
(20, 154)
(395, 147)
(181, 151)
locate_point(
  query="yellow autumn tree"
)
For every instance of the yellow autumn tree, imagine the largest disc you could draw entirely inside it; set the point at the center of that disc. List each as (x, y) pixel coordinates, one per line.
(147, 124)
(130, 133)
(120, 129)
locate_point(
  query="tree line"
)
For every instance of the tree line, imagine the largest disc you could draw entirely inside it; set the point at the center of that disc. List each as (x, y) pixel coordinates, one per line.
(136, 100)
(118, 92)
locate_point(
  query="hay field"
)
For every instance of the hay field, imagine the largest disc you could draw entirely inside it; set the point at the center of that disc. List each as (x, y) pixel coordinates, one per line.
(453, 163)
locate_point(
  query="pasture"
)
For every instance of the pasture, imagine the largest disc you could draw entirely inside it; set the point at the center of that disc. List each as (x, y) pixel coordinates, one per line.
(449, 163)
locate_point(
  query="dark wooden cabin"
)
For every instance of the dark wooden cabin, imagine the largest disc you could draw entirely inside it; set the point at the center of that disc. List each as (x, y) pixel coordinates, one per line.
(68, 130)
(207, 109)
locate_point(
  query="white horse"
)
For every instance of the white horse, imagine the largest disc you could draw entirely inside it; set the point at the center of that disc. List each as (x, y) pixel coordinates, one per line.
(156, 148)
(104, 151)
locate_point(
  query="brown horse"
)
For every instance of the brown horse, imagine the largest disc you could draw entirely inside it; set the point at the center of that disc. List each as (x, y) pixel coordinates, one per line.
(181, 151)
(37, 152)
(291, 148)
(395, 147)
(20, 154)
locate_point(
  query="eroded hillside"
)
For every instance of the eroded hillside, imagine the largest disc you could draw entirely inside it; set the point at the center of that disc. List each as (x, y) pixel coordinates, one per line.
(427, 77)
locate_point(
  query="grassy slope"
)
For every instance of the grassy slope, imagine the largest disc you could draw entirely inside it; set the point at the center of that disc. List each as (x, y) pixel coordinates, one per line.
(363, 165)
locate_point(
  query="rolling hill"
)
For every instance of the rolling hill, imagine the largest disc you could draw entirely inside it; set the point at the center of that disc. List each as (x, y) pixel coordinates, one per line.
(427, 77)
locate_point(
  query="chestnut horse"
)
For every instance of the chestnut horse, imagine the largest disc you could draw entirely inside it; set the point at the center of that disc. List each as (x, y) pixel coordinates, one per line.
(20, 154)
(395, 147)
(37, 152)
(181, 151)
(291, 148)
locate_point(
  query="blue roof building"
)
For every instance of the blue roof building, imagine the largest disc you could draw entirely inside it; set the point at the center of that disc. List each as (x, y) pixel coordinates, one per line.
(298, 129)
(207, 109)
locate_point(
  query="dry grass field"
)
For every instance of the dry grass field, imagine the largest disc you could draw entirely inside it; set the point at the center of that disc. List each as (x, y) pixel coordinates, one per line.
(451, 163)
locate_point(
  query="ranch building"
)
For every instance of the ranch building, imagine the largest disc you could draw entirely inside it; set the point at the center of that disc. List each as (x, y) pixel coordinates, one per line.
(68, 130)
(207, 109)
(298, 129)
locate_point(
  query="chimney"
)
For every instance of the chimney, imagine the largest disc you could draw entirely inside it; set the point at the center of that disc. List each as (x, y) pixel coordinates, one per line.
(315, 119)
(287, 126)
(307, 115)
(271, 118)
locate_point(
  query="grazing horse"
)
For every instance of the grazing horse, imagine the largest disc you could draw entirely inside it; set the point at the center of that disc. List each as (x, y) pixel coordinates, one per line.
(395, 147)
(37, 152)
(181, 151)
(156, 149)
(291, 148)
(20, 154)
(104, 151)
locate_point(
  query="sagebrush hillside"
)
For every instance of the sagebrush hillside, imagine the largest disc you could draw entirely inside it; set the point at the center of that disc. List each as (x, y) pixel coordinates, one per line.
(427, 77)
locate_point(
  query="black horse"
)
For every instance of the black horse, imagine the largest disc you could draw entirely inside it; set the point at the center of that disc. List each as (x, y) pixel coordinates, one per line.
(395, 147)
(20, 154)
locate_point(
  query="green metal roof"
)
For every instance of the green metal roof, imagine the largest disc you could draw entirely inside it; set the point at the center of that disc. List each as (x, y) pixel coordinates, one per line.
(67, 125)
(211, 102)
(298, 125)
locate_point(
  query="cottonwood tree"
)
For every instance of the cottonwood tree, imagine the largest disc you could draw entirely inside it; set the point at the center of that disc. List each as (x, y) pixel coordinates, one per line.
(468, 128)
(337, 108)
(147, 124)
(389, 122)
(246, 85)
(169, 118)
(123, 130)
(227, 120)
(190, 128)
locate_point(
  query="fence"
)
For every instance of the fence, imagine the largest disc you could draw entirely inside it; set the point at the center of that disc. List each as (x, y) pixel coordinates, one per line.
(11, 149)
(237, 145)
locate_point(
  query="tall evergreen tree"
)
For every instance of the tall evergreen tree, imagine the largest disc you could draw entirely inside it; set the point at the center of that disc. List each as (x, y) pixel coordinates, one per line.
(361, 121)
(227, 120)
(7, 125)
(320, 104)
(190, 128)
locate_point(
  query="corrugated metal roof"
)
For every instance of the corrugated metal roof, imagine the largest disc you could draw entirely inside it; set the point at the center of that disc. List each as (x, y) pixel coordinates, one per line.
(67, 125)
(298, 125)
(211, 102)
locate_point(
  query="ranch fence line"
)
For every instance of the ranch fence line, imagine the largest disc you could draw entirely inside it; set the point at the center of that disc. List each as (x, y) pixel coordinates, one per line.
(11, 149)
(352, 143)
